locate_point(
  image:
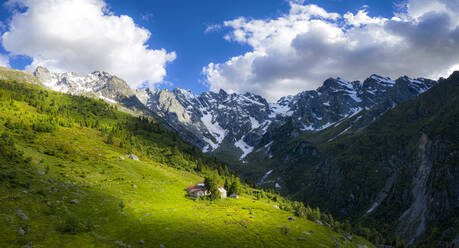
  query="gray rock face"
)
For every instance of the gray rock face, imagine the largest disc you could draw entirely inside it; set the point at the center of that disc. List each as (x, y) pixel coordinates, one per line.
(215, 118)
(246, 122)
(99, 84)
(43, 74)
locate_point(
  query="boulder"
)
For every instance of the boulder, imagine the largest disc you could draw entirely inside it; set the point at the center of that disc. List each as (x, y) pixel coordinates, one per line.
(22, 215)
(132, 156)
(349, 236)
(291, 218)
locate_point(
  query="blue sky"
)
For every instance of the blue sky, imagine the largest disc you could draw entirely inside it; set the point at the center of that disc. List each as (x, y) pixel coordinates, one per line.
(179, 26)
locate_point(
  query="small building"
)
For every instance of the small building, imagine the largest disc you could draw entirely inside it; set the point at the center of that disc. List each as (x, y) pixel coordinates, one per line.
(234, 196)
(197, 190)
(222, 192)
(199, 193)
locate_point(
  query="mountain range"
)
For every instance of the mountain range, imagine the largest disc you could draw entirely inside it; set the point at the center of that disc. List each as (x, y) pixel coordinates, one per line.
(368, 150)
(239, 122)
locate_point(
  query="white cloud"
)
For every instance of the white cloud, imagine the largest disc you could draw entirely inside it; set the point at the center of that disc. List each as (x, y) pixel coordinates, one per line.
(213, 28)
(4, 60)
(298, 50)
(147, 17)
(83, 36)
(362, 18)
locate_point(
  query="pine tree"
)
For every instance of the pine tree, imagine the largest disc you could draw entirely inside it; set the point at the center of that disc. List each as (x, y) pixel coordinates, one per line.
(211, 185)
(316, 213)
(109, 138)
(235, 187)
(227, 184)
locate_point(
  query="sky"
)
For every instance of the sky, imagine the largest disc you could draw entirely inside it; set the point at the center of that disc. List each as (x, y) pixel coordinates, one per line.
(272, 48)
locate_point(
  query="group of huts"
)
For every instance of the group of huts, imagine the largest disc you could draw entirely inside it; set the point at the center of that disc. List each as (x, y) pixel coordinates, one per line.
(199, 190)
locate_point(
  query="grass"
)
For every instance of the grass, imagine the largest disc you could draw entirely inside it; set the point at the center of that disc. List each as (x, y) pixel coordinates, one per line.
(79, 191)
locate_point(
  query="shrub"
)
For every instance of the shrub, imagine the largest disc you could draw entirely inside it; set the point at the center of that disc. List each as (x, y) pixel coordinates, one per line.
(70, 225)
(44, 127)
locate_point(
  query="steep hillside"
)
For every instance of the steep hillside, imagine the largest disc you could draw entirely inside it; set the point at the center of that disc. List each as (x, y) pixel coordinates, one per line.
(398, 174)
(66, 180)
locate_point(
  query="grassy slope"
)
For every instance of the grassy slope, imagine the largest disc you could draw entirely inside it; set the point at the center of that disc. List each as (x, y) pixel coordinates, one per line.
(154, 206)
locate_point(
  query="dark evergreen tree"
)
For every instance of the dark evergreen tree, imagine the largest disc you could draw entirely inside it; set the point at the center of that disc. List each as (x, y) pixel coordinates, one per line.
(211, 185)
(236, 187)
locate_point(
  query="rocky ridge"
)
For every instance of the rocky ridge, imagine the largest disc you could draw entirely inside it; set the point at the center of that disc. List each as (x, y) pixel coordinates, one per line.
(243, 122)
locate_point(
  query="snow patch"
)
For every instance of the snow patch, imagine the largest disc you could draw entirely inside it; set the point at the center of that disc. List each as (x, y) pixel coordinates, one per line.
(186, 93)
(307, 128)
(280, 109)
(345, 130)
(211, 144)
(353, 95)
(254, 122)
(262, 180)
(214, 129)
(375, 205)
(384, 80)
(268, 146)
(266, 125)
(106, 99)
(248, 99)
(246, 149)
(311, 128)
(420, 86)
(325, 126)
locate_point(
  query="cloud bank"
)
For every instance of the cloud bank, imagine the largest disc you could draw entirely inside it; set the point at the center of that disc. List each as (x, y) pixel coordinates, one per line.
(83, 36)
(300, 49)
